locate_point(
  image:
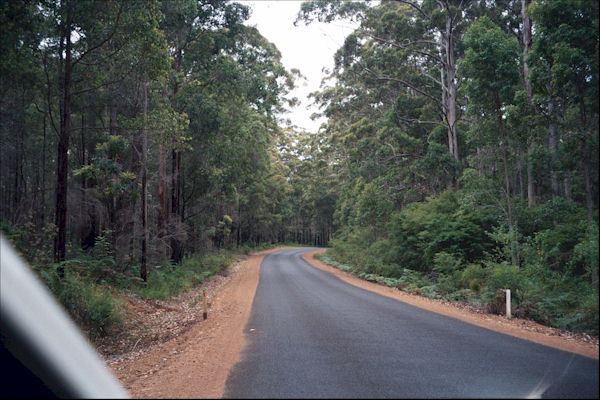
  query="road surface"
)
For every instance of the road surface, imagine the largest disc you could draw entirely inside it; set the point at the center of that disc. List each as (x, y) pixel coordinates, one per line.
(313, 335)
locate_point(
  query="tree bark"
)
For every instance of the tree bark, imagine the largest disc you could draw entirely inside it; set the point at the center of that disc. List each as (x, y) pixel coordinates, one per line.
(514, 252)
(530, 175)
(552, 148)
(451, 89)
(519, 176)
(176, 250)
(587, 180)
(163, 209)
(62, 157)
(43, 205)
(19, 181)
(567, 186)
(527, 38)
(144, 170)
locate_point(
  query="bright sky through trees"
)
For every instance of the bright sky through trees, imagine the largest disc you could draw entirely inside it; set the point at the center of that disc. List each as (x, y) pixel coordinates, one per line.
(307, 48)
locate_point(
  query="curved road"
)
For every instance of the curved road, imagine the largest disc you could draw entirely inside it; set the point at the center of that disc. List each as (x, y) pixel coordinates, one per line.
(312, 335)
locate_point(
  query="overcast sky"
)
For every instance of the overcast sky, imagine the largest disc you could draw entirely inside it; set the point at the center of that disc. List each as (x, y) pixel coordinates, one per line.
(307, 48)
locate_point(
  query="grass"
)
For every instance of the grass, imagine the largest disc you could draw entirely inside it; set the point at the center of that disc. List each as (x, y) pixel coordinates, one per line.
(170, 280)
(90, 290)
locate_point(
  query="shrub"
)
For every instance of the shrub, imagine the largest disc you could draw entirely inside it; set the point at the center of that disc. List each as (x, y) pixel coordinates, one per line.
(103, 313)
(473, 274)
(430, 292)
(462, 295)
(445, 263)
(585, 255)
(438, 225)
(170, 280)
(92, 306)
(503, 276)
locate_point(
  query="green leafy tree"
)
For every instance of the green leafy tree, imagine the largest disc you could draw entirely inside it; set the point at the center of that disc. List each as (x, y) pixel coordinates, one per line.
(491, 70)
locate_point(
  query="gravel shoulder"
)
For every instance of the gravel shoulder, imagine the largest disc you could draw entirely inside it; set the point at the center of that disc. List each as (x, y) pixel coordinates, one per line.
(524, 329)
(187, 357)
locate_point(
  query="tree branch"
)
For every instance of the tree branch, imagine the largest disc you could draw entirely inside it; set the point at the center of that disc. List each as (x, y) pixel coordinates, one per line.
(408, 44)
(45, 62)
(103, 41)
(416, 7)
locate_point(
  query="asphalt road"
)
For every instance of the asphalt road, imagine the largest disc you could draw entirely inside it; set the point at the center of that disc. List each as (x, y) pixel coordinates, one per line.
(312, 335)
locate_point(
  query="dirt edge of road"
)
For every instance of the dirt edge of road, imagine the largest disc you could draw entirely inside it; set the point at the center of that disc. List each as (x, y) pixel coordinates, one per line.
(523, 329)
(196, 363)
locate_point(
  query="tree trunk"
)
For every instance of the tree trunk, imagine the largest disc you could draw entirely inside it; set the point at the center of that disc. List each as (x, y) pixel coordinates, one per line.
(62, 157)
(589, 203)
(567, 186)
(43, 205)
(144, 170)
(514, 255)
(163, 209)
(451, 91)
(552, 148)
(18, 182)
(514, 252)
(520, 173)
(113, 114)
(587, 181)
(176, 250)
(527, 37)
(530, 176)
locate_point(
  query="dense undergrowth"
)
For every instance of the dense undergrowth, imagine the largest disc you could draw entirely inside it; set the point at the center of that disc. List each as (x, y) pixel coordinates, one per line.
(448, 248)
(94, 281)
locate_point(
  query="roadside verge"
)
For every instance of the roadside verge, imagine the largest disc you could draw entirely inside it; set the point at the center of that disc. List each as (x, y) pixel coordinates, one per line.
(523, 329)
(196, 363)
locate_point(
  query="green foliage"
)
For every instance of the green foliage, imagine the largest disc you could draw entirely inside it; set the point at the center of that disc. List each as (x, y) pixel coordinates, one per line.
(373, 207)
(445, 263)
(93, 306)
(352, 248)
(561, 299)
(170, 280)
(503, 276)
(440, 224)
(30, 240)
(328, 260)
(491, 66)
(586, 253)
(558, 236)
(89, 290)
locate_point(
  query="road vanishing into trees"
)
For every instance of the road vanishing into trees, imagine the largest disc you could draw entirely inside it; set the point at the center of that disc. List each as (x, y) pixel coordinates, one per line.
(312, 335)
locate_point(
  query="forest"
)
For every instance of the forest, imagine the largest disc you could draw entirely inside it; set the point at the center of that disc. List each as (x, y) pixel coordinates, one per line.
(145, 144)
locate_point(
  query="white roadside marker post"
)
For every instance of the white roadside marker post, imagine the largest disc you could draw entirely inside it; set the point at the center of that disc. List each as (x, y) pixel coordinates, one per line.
(508, 311)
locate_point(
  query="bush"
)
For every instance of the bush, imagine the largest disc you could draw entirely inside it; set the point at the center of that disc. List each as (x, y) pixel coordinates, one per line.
(556, 238)
(462, 295)
(170, 280)
(92, 306)
(445, 263)
(86, 295)
(503, 276)
(330, 261)
(103, 315)
(585, 255)
(438, 225)
(430, 292)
